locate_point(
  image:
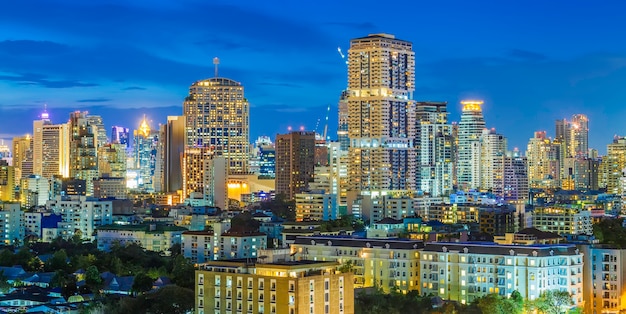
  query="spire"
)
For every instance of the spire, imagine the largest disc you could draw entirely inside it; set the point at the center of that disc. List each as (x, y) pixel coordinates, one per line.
(216, 62)
(44, 114)
(144, 128)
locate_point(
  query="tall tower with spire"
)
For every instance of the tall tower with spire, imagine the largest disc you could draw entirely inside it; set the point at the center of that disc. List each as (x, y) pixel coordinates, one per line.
(144, 154)
(217, 117)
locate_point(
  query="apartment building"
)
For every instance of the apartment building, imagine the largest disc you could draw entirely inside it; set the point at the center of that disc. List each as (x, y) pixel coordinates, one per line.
(463, 272)
(563, 219)
(386, 263)
(151, 237)
(604, 275)
(80, 215)
(285, 287)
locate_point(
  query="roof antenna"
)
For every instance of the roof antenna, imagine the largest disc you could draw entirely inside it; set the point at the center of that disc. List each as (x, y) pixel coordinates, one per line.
(216, 62)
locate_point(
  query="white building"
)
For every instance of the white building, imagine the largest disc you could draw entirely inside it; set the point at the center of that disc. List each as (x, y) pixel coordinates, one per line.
(470, 129)
(316, 205)
(240, 244)
(35, 191)
(197, 246)
(385, 263)
(463, 272)
(81, 215)
(11, 224)
(492, 151)
(151, 237)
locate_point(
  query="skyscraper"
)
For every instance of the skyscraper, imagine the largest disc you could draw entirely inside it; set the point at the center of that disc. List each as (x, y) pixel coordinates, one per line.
(144, 154)
(217, 117)
(84, 139)
(173, 145)
(544, 162)
(342, 129)
(295, 155)
(492, 151)
(22, 157)
(579, 136)
(50, 148)
(433, 144)
(120, 135)
(470, 129)
(381, 126)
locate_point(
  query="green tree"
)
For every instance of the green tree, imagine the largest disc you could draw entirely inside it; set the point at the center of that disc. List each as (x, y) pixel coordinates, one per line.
(5, 286)
(553, 302)
(57, 261)
(93, 279)
(142, 283)
(183, 272)
(346, 267)
(171, 299)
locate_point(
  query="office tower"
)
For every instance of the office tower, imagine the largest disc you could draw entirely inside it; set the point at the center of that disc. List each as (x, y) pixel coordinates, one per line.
(120, 135)
(112, 160)
(145, 142)
(83, 148)
(544, 163)
(173, 145)
(579, 136)
(342, 129)
(433, 145)
(470, 129)
(22, 157)
(295, 155)
(381, 126)
(267, 162)
(217, 117)
(273, 286)
(492, 149)
(51, 151)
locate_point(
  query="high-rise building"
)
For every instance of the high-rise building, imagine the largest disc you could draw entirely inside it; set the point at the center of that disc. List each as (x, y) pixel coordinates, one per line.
(120, 135)
(86, 133)
(112, 160)
(22, 157)
(544, 162)
(492, 150)
(511, 178)
(7, 181)
(433, 144)
(342, 129)
(613, 164)
(470, 129)
(144, 154)
(381, 126)
(217, 117)
(173, 147)
(295, 155)
(579, 136)
(51, 151)
(204, 177)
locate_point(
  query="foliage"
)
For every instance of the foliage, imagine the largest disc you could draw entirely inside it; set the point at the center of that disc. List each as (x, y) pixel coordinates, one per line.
(281, 207)
(58, 261)
(183, 272)
(376, 301)
(553, 302)
(346, 267)
(5, 286)
(142, 283)
(244, 222)
(169, 299)
(610, 231)
(93, 279)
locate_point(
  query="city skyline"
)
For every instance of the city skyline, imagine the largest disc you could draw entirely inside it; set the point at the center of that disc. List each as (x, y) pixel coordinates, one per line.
(104, 64)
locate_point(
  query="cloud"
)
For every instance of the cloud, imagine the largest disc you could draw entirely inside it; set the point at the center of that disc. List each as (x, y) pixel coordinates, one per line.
(134, 88)
(43, 81)
(99, 99)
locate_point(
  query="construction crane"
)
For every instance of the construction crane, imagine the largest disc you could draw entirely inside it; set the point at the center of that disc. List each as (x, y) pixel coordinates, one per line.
(343, 57)
(326, 125)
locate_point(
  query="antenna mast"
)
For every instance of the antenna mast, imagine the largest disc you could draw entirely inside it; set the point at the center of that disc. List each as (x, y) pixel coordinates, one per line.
(216, 62)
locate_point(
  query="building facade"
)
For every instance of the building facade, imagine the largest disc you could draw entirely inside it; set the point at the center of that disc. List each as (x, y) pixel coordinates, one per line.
(295, 155)
(468, 160)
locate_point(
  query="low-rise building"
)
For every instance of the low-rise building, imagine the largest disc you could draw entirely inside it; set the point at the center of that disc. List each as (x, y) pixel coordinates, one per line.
(384, 263)
(198, 246)
(316, 205)
(463, 272)
(240, 244)
(81, 215)
(151, 237)
(604, 275)
(563, 219)
(11, 224)
(289, 287)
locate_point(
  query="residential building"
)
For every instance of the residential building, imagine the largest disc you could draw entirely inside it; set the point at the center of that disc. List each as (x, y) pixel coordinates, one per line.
(544, 162)
(468, 160)
(563, 219)
(81, 215)
(34, 191)
(383, 263)
(288, 287)
(492, 151)
(7, 183)
(12, 229)
(204, 177)
(36, 222)
(51, 151)
(22, 157)
(110, 187)
(217, 117)
(463, 272)
(198, 246)
(86, 135)
(316, 205)
(381, 125)
(434, 148)
(173, 146)
(510, 180)
(152, 237)
(295, 154)
(234, 244)
(145, 142)
(604, 278)
(112, 160)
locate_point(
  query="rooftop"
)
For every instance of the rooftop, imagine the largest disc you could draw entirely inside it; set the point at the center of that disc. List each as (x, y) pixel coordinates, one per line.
(502, 249)
(143, 227)
(394, 243)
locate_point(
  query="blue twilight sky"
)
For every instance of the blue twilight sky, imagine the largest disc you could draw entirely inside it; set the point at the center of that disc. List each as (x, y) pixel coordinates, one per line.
(531, 61)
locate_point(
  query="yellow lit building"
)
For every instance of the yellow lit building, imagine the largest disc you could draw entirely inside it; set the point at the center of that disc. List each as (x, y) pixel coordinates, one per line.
(385, 263)
(284, 287)
(563, 219)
